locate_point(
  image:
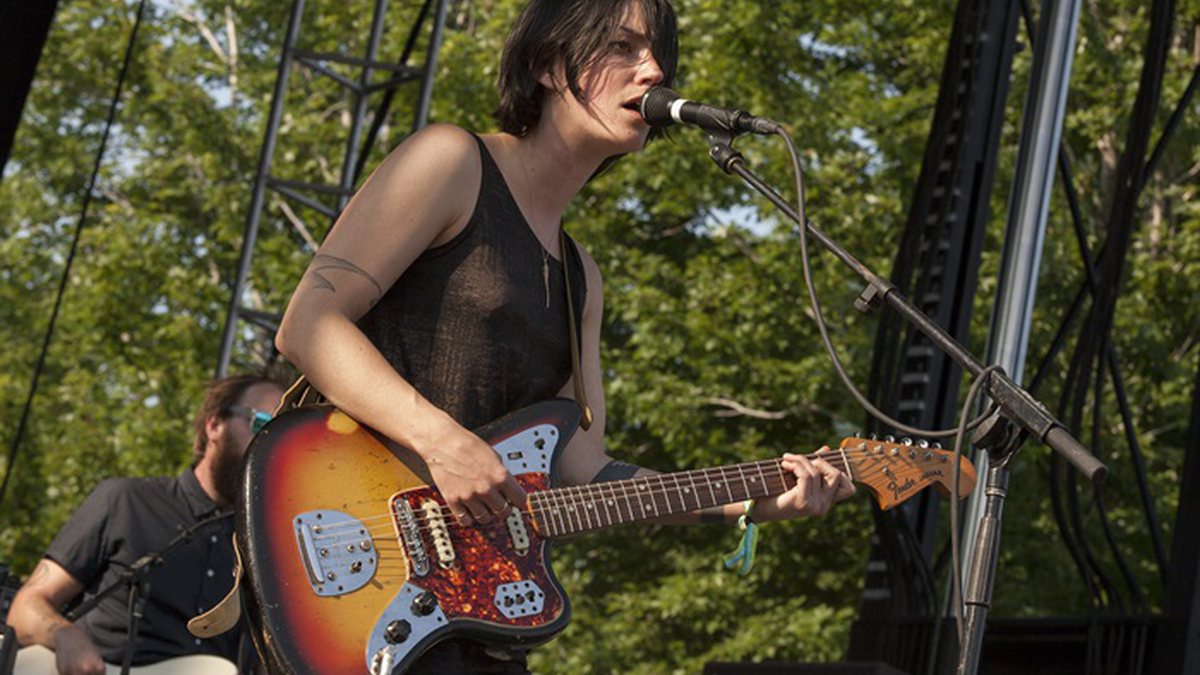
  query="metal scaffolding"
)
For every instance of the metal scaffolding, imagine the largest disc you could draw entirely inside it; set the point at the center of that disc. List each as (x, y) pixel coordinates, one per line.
(361, 88)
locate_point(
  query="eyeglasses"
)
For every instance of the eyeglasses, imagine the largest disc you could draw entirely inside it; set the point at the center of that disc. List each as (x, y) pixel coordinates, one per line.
(258, 418)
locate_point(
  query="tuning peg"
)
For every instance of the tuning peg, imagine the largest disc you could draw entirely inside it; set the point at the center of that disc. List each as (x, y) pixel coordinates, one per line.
(889, 439)
(906, 441)
(922, 443)
(936, 445)
(872, 436)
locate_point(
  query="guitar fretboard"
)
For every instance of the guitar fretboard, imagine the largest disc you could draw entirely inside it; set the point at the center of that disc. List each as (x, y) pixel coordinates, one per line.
(567, 511)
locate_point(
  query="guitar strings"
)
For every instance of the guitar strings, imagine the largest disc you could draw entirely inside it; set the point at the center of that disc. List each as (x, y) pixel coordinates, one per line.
(624, 485)
(552, 501)
(566, 523)
(558, 495)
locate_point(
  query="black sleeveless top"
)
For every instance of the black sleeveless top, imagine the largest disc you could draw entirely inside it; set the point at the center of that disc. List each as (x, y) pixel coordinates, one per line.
(468, 323)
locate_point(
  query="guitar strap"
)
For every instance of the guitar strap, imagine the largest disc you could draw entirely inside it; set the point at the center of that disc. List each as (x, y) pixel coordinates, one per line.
(573, 333)
(224, 616)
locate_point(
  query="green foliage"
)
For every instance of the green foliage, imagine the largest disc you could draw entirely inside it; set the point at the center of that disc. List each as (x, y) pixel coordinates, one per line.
(710, 351)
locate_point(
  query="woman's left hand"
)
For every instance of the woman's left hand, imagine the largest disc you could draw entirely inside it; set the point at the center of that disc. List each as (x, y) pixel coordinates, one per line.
(818, 487)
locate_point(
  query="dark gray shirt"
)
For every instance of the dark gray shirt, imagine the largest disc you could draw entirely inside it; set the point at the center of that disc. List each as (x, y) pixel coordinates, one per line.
(121, 521)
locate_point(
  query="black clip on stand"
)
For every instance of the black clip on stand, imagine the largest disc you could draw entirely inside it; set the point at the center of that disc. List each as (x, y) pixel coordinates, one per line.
(1018, 415)
(137, 578)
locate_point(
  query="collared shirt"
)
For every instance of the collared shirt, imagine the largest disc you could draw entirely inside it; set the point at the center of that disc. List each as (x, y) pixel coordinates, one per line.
(121, 521)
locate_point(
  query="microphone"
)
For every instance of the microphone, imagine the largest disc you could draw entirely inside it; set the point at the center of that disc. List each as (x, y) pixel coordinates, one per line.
(661, 107)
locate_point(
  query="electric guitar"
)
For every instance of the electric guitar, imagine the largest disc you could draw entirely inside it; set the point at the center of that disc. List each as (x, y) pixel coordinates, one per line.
(355, 565)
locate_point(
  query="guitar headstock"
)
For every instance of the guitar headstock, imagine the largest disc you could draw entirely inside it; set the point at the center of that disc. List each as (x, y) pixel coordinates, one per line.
(894, 471)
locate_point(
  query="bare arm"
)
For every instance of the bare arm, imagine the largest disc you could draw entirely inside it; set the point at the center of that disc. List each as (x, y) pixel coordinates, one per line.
(36, 618)
(818, 484)
(421, 196)
(34, 614)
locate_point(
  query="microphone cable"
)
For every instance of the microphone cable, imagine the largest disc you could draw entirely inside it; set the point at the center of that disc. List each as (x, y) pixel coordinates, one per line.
(958, 433)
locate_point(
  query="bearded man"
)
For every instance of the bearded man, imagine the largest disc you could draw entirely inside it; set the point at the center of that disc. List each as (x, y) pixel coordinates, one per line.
(125, 519)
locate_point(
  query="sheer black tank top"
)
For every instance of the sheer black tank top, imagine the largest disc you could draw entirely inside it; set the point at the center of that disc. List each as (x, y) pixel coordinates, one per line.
(474, 324)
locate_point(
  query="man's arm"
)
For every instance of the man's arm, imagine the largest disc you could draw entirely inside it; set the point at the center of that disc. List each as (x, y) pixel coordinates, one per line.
(36, 618)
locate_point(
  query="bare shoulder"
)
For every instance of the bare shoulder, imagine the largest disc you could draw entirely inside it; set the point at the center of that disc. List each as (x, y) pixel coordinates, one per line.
(441, 153)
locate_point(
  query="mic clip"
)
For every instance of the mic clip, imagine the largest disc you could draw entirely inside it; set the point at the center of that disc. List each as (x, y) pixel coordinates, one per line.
(720, 149)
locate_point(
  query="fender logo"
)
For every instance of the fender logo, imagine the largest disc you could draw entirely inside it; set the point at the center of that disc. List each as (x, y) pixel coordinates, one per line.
(933, 472)
(900, 489)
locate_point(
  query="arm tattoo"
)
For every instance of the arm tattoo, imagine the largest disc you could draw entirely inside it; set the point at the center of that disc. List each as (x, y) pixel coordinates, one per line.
(323, 263)
(39, 572)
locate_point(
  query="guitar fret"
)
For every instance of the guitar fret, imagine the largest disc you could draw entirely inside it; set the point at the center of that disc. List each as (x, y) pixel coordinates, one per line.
(604, 500)
(679, 492)
(583, 506)
(643, 492)
(572, 510)
(633, 501)
(661, 495)
(564, 525)
(556, 517)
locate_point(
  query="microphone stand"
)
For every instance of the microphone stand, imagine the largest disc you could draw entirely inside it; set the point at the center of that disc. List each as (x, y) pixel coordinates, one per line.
(137, 578)
(1018, 414)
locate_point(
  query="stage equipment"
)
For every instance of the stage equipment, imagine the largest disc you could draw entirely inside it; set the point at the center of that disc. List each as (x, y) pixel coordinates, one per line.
(1014, 415)
(937, 265)
(355, 155)
(661, 108)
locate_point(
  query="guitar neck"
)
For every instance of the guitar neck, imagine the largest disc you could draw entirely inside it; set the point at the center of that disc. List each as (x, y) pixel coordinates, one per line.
(573, 510)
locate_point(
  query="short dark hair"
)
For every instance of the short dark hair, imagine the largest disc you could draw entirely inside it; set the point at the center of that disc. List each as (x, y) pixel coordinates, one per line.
(577, 32)
(222, 395)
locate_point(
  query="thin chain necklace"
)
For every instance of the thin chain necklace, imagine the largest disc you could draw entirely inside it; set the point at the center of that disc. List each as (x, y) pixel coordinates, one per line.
(546, 275)
(529, 203)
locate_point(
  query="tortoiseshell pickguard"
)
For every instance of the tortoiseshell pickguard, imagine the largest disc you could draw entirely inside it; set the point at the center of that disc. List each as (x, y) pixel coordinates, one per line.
(485, 559)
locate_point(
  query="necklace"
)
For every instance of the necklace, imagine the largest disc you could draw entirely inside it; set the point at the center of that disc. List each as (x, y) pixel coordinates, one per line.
(546, 275)
(529, 204)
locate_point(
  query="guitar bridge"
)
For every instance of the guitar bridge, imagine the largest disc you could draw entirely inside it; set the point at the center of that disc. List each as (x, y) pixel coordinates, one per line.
(337, 551)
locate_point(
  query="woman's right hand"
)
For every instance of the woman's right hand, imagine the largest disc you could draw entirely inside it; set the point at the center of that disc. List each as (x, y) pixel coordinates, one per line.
(472, 479)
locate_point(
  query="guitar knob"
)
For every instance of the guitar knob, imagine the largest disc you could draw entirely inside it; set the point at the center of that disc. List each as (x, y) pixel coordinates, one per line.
(424, 604)
(397, 631)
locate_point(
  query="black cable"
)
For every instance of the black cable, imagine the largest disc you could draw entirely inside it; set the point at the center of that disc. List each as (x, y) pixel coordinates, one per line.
(819, 317)
(959, 432)
(62, 284)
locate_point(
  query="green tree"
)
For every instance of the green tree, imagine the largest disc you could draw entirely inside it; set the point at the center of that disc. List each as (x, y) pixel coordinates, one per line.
(710, 351)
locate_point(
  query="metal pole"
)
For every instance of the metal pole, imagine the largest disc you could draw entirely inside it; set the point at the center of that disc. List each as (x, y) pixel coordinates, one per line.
(360, 107)
(260, 187)
(1033, 183)
(435, 43)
